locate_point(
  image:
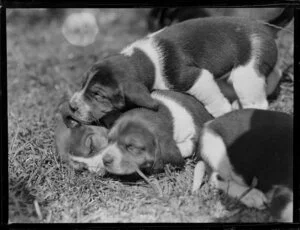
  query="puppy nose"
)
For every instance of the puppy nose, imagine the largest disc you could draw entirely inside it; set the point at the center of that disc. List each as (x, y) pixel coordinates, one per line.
(73, 107)
(107, 160)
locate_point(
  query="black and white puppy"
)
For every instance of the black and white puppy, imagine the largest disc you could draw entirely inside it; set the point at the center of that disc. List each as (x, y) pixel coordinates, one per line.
(217, 60)
(250, 148)
(148, 140)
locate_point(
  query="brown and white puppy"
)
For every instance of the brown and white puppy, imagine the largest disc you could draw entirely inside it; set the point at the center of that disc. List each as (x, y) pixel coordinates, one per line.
(217, 60)
(146, 139)
(78, 145)
(251, 148)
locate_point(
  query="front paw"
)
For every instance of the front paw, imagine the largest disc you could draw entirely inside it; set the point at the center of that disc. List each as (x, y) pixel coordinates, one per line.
(254, 199)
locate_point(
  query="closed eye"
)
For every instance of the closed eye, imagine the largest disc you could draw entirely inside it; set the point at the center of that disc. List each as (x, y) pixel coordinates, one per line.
(92, 148)
(135, 149)
(89, 143)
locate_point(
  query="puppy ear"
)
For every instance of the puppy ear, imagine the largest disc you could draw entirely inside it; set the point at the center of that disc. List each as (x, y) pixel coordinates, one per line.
(167, 152)
(137, 94)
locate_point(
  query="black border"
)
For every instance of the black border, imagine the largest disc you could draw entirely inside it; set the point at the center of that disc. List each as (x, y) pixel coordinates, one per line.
(4, 120)
(134, 4)
(296, 122)
(143, 3)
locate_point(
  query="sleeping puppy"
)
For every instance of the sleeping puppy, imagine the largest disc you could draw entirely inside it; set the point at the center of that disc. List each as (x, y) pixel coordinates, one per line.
(79, 144)
(246, 149)
(217, 60)
(146, 139)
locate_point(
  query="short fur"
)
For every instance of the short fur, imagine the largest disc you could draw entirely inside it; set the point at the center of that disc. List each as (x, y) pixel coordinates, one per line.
(175, 58)
(247, 144)
(76, 145)
(149, 139)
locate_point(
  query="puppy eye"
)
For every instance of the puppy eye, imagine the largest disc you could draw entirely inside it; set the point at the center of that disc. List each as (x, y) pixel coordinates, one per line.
(92, 150)
(131, 148)
(134, 149)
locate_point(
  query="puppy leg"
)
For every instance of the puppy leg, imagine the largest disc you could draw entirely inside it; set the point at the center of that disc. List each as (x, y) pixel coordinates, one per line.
(199, 172)
(250, 86)
(207, 91)
(214, 153)
(254, 198)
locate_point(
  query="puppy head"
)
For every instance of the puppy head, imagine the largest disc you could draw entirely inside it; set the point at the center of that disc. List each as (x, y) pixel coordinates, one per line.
(131, 146)
(107, 88)
(134, 143)
(99, 95)
(81, 146)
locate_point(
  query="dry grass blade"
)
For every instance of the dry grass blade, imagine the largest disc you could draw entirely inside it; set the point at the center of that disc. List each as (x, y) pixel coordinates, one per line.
(253, 185)
(155, 186)
(37, 209)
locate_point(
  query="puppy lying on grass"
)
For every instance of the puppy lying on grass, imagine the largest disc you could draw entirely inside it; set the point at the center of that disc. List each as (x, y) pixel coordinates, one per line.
(140, 138)
(80, 142)
(249, 154)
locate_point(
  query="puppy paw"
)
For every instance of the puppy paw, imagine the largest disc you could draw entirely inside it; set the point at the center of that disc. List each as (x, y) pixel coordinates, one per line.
(257, 105)
(254, 199)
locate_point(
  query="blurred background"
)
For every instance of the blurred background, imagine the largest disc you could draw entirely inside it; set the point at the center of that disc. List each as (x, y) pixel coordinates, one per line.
(47, 52)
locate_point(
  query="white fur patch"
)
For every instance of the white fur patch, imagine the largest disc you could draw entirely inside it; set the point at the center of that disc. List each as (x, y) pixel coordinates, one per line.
(287, 213)
(213, 151)
(155, 33)
(152, 50)
(183, 124)
(206, 90)
(249, 86)
(248, 83)
(94, 164)
(78, 100)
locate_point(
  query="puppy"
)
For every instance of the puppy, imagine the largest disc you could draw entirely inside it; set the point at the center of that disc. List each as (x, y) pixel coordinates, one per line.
(146, 139)
(78, 145)
(246, 149)
(217, 60)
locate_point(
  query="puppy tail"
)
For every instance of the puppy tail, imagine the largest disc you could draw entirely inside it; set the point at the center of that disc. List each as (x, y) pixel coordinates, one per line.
(284, 18)
(281, 206)
(278, 23)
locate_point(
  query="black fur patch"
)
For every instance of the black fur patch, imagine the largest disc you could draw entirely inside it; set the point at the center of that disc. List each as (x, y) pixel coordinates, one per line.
(144, 67)
(215, 44)
(259, 143)
(178, 68)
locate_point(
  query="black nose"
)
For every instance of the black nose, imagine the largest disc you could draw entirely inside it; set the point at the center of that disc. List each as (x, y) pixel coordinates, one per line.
(107, 159)
(73, 107)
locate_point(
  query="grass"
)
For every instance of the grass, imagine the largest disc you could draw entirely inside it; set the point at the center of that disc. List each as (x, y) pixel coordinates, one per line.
(42, 65)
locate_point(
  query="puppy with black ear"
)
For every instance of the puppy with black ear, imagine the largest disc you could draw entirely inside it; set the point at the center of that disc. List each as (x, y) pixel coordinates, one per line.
(217, 60)
(249, 154)
(146, 139)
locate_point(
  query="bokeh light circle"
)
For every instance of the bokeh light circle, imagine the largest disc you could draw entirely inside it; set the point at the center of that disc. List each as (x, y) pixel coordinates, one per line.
(80, 29)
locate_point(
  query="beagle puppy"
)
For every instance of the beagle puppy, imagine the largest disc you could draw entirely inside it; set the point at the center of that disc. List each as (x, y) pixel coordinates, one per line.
(217, 60)
(79, 144)
(249, 154)
(146, 139)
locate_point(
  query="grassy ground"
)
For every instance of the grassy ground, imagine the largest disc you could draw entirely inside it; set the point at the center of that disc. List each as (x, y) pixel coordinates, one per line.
(41, 66)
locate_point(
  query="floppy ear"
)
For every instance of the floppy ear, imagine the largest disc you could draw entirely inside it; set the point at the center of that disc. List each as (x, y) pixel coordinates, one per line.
(137, 94)
(167, 152)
